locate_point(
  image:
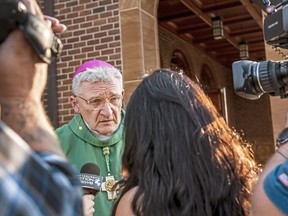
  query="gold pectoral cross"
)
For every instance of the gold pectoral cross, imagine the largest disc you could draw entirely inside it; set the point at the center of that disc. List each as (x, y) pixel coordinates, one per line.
(108, 187)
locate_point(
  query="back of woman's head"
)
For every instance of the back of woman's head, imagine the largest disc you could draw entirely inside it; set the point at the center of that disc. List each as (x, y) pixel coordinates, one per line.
(180, 153)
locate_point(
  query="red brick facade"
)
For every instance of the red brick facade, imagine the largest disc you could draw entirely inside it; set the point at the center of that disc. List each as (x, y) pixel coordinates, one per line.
(93, 32)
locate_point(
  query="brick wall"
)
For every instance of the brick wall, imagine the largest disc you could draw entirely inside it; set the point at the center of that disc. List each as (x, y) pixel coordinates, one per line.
(93, 32)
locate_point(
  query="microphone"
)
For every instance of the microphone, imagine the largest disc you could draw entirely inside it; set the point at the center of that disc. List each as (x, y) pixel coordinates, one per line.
(89, 178)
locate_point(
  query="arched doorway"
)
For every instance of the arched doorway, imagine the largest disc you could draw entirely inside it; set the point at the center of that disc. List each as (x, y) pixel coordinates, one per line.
(217, 96)
(178, 61)
(207, 79)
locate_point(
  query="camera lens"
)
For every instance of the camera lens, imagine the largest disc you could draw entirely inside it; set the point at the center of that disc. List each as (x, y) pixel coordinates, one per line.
(265, 75)
(252, 79)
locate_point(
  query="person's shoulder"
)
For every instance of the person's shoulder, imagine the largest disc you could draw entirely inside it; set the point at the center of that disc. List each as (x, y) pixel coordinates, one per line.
(53, 171)
(64, 134)
(275, 185)
(56, 162)
(70, 126)
(130, 194)
(124, 207)
(61, 128)
(64, 131)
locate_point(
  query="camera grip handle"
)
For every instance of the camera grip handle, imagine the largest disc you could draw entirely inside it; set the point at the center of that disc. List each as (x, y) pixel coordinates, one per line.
(282, 137)
(13, 14)
(41, 37)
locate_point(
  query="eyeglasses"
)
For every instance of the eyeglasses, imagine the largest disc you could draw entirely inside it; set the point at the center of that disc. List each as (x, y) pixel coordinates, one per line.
(97, 103)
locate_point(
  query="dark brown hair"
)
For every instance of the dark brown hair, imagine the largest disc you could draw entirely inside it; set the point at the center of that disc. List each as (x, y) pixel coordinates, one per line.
(180, 153)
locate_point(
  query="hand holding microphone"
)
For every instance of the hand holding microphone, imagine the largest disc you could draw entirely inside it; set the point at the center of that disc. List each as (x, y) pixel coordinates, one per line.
(88, 205)
(91, 183)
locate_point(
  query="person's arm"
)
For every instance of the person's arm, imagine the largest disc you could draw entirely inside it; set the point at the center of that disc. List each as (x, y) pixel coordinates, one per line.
(37, 168)
(261, 204)
(23, 79)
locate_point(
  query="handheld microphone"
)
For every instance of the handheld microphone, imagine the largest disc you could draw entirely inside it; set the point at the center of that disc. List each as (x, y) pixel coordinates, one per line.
(89, 178)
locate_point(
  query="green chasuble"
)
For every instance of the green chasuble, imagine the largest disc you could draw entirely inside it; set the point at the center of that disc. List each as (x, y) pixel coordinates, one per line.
(81, 147)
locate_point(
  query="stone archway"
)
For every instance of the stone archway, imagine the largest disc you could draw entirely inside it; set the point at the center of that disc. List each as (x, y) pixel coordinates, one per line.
(179, 61)
(217, 96)
(139, 37)
(207, 79)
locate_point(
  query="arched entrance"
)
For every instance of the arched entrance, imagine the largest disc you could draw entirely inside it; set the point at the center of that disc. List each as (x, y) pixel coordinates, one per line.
(178, 61)
(216, 94)
(207, 79)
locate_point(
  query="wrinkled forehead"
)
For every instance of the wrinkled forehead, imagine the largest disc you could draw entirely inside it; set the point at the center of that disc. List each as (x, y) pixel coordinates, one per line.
(101, 88)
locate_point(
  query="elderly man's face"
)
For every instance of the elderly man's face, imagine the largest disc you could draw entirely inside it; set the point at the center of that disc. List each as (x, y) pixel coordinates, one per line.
(103, 110)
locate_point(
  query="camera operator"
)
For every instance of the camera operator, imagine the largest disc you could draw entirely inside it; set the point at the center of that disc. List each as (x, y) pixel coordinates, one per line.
(270, 195)
(35, 177)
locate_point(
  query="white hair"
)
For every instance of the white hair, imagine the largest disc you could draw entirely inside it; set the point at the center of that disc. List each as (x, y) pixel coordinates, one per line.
(96, 74)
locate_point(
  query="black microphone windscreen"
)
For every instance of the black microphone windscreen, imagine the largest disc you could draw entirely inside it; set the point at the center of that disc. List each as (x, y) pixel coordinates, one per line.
(90, 168)
(90, 178)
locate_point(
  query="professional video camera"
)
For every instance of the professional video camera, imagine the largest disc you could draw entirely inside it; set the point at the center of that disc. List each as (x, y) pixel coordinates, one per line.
(251, 79)
(13, 14)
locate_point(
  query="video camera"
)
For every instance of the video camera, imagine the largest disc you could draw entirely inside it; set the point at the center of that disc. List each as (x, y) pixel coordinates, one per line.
(13, 14)
(252, 79)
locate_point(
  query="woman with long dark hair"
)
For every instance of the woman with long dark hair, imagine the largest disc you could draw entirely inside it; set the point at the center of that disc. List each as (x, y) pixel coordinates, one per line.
(180, 156)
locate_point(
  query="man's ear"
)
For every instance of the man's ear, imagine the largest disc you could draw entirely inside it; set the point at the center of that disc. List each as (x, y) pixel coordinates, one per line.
(75, 104)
